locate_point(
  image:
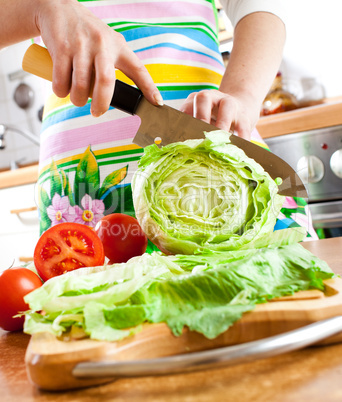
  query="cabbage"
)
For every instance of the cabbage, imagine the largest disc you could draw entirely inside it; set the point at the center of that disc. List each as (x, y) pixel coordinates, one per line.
(205, 196)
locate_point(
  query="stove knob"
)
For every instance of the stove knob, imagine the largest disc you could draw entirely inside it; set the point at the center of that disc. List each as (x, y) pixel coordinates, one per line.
(336, 163)
(310, 169)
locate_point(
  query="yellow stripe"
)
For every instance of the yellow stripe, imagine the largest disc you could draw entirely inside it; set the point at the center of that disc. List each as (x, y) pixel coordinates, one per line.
(174, 73)
(96, 153)
(261, 144)
(121, 148)
(54, 102)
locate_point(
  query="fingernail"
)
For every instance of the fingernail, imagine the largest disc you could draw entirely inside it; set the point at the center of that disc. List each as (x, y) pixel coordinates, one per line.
(158, 98)
(96, 114)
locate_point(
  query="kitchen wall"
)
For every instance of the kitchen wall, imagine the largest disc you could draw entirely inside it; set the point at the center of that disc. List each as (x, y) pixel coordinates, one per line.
(18, 148)
(312, 59)
(311, 66)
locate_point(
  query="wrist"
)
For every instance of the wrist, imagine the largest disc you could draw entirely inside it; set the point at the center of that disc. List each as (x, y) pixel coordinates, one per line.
(245, 95)
(17, 20)
(46, 8)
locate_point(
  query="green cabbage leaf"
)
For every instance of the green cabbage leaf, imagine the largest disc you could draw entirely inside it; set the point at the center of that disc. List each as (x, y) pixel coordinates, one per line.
(205, 196)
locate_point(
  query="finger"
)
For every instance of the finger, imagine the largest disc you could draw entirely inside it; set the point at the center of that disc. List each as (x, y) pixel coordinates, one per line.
(187, 106)
(61, 76)
(242, 129)
(103, 85)
(226, 113)
(130, 64)
(203, 105)
(194, 106)
(81, 77)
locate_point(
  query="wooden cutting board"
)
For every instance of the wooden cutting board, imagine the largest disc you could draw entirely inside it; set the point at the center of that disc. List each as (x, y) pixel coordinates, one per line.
(49, 361)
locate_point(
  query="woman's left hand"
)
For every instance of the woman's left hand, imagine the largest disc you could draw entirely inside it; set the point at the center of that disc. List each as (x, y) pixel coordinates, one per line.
(224, 111)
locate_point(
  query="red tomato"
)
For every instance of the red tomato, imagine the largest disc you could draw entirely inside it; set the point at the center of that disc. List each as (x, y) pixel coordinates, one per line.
(65, 247)
(122, 237)
(15, 283)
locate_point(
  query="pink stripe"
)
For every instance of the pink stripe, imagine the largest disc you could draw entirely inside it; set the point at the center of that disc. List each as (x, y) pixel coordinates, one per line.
(256, 136)
(171, 53)
(138, 11)
(90, 135)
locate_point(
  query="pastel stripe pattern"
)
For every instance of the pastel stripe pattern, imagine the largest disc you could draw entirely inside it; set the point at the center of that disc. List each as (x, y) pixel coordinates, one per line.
(91, 161)
(176, 40)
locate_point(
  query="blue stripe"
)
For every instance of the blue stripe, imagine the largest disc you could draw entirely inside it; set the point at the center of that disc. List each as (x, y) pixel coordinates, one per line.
(181, 94)
(147, 32)
(111, 189)
(283, 223)
(71, 112)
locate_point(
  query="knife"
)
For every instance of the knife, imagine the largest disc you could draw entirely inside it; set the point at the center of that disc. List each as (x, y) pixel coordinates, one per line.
(216, 358)
(163, 125)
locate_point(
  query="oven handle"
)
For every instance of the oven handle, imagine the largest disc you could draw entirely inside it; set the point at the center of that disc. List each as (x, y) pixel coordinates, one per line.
(327, 218)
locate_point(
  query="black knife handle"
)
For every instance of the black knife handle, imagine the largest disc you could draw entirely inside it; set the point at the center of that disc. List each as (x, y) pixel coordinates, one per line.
(126, 97)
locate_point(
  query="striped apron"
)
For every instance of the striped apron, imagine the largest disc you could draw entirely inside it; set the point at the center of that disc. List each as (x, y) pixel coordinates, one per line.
(86, 163)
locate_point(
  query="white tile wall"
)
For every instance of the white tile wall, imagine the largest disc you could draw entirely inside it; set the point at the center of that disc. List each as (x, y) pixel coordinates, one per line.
(17, 146)
(312, 54)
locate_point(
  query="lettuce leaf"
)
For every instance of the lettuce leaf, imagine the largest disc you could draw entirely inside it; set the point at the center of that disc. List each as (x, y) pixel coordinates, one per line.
(206, 293)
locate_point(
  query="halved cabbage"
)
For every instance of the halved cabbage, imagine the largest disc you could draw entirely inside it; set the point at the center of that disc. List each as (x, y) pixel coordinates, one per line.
(205, 196)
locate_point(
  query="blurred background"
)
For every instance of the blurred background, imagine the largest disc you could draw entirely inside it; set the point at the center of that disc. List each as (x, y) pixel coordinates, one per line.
(311, 70)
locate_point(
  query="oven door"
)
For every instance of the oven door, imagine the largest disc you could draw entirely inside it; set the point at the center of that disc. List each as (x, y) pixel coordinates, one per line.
(311, 154)
(327, 218)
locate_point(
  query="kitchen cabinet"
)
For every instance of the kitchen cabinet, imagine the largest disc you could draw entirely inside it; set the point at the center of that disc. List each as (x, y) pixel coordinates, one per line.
(19, 224)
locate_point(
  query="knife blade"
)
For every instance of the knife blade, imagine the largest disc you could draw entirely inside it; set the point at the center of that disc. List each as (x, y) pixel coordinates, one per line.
(163, 125)
(208, 359)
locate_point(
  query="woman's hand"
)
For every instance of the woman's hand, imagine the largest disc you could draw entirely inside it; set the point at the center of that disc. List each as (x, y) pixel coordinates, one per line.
(80, 43)
(224, 111)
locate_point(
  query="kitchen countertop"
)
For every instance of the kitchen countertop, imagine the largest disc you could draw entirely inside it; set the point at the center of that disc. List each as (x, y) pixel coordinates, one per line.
(311, 374)
(324, 114)
(19, 177)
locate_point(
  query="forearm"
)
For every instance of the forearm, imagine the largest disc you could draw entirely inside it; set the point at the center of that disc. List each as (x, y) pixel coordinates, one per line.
(255, 58)
(78, 42)
(17, 21)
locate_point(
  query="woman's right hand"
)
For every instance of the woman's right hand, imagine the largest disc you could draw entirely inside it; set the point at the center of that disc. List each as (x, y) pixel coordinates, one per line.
(79, 43)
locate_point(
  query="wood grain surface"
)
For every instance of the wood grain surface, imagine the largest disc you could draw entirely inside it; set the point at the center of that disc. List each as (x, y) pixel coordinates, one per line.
(311, 374)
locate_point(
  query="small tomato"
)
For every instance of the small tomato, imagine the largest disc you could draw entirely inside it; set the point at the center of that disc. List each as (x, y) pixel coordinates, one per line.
(122, 237)
(15, 283)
